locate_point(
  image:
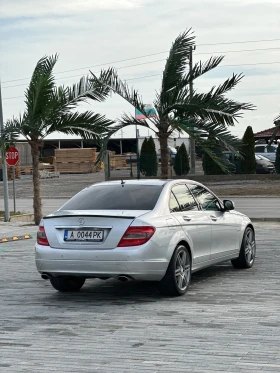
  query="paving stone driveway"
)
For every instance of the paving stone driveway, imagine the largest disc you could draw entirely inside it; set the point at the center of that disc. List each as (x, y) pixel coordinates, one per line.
(229, 321)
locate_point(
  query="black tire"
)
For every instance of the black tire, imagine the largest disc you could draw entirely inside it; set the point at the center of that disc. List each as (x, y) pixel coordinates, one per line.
(178, 275)
(67, 284)
(247, 252)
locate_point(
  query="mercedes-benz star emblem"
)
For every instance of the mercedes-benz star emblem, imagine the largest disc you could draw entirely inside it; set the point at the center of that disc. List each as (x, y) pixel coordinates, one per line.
(81, 221)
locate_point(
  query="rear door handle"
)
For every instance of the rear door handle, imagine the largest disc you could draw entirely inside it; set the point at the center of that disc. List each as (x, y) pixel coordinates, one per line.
(213, 218)
(187, 218)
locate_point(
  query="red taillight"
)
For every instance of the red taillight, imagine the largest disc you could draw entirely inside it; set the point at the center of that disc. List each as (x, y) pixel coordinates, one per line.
(135, 236)
(41, 237)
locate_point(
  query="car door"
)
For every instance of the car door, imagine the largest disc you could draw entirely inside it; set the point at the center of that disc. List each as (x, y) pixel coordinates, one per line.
(225, 237)
(196, 224)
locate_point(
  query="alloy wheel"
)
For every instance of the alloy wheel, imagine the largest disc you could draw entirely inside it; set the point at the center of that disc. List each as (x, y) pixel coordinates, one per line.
(182, 270)
(250, 247)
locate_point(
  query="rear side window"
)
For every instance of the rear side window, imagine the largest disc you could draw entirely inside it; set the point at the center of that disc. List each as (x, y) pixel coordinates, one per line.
(185, 198)
(115, 197)
(259, 149)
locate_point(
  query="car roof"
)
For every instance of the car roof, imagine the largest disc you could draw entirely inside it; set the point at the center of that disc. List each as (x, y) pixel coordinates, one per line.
(146, 182)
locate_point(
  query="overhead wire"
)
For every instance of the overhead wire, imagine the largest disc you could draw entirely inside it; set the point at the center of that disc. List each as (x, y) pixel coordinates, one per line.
(152, 75)
(161, 60)
(154, 54)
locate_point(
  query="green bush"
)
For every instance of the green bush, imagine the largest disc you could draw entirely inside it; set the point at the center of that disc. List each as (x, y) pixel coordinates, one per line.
(277, 160)
(148, 158)
(181, 161)
(247, 150)
(210, 167)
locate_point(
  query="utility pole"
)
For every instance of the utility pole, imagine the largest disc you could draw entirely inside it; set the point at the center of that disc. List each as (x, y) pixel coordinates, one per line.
(4, 166)
(192, 141)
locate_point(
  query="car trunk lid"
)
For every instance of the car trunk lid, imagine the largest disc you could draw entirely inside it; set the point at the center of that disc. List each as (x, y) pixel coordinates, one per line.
(88, 230)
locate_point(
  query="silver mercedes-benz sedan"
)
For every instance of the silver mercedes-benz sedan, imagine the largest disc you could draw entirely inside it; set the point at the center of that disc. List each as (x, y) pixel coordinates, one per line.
(159, 230)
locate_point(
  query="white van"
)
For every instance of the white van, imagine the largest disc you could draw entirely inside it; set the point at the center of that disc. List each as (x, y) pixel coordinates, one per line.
(267, 151)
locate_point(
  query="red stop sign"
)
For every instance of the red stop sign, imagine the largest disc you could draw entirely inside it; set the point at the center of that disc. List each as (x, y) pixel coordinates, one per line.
(12, 156)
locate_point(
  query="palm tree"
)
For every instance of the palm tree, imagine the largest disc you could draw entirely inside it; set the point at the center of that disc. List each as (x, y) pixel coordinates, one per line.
(50, 108)
(276, 129)
(177, 108)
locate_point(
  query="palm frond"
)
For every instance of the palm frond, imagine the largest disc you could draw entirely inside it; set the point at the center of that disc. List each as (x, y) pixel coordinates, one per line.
(177, 60)
(40, 89)
(181, 90)
(125, 121)
(128, 119)
(228, 85)
(276, 129)
(88, 125)
(220, 132)
(175, 67)
(89, 87)
(110, 79)
(211, 107)
(10, 133)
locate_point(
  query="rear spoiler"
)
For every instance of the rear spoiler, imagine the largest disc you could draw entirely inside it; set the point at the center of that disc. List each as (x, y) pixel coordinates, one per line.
(91, 215)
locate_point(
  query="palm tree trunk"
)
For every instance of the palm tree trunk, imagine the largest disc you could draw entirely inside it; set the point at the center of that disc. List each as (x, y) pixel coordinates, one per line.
(163, 154)
(37, 202)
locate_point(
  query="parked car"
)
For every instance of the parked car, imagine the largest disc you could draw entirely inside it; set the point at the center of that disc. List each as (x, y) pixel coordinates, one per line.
(171, 154)
(156, 230)
(267, 151)
(263, 165)
(131, 158)
(230, 160)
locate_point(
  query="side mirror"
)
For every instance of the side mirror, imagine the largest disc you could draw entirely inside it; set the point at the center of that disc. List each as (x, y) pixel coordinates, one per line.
(228, 205)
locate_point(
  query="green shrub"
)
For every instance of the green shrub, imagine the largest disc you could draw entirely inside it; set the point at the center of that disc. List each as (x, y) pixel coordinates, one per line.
(181, 161)
(148, 158)
(247, 150)
(210, 167)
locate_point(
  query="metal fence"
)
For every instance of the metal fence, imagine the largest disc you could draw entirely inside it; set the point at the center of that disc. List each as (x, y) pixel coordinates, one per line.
(129, 166)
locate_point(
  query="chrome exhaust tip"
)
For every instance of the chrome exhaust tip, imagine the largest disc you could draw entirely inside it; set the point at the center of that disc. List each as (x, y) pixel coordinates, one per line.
(45, 276)
(124, 278)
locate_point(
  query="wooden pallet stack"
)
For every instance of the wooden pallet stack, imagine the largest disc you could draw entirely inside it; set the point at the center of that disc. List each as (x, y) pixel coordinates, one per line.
(28, 170)
(75, 160)
(117, 161)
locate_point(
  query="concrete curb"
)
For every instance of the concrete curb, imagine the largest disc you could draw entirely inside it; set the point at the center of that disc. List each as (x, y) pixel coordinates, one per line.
(25, 218)
(275, 220)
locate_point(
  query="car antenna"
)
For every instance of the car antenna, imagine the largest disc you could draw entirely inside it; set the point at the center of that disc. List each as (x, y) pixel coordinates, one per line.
(122, 182)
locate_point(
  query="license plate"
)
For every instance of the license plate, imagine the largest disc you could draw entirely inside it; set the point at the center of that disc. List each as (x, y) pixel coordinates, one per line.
(83, 235)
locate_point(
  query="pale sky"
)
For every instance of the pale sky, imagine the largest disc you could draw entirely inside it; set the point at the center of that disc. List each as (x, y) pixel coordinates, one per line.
(87, 33)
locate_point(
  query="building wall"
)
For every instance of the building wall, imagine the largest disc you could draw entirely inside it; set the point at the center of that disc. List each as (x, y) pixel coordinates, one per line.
(171, 142)
(24, 149)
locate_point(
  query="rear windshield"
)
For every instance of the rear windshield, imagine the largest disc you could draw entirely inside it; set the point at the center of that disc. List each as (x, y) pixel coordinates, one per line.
(115, 197)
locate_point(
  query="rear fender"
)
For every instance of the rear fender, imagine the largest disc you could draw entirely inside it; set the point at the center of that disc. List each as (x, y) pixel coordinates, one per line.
(179, 236)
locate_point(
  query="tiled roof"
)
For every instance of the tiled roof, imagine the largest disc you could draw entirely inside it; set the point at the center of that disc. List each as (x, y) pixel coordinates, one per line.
(267, 133)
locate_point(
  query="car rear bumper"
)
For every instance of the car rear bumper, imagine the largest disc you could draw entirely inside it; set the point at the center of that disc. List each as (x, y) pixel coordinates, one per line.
(139, 269)
(266, 171)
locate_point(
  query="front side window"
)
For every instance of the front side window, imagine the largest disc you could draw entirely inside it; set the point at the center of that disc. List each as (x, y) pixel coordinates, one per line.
(271, 149)
(184, 198)
(207, 200)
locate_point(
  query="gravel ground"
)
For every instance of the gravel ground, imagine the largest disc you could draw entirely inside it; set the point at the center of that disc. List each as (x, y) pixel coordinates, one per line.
(244, 188)
(67, 185)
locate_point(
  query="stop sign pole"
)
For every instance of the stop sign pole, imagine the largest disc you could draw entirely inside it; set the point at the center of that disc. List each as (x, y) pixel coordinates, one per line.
(12, 158)
(4, 166)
